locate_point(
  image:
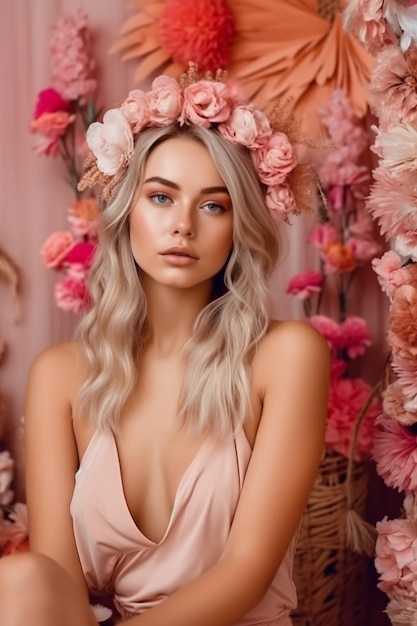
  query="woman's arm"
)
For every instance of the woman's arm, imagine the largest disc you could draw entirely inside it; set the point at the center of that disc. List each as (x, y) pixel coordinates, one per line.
(51, 457)
(291, 372)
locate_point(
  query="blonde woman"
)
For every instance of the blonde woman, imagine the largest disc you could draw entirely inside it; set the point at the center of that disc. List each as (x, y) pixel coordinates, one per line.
(171, 448)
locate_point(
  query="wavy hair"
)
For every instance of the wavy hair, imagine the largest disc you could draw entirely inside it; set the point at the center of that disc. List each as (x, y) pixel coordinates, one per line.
(215, 395)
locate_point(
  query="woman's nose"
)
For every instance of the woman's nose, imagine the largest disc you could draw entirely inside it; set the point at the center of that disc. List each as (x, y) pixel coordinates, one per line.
(183, 223)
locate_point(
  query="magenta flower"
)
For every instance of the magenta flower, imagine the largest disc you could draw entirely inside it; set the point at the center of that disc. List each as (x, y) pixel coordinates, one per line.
(82, 253)
(329, 328)
(305, 285)
(50, 101)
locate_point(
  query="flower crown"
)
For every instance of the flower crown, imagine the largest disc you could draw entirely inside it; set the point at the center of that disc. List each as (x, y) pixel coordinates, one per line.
(209, 102)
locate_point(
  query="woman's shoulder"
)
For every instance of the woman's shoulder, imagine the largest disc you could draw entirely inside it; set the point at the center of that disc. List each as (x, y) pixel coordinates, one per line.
(290, 343)
(60, 363)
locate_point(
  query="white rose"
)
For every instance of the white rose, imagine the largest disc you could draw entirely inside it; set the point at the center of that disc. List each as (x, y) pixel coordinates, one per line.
(111, 142)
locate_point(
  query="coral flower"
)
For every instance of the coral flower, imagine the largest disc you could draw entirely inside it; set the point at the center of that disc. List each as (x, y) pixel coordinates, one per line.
(199, 31)
(338, 257)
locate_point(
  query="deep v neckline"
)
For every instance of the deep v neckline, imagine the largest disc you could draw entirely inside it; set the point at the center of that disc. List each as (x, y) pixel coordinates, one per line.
(194, 462)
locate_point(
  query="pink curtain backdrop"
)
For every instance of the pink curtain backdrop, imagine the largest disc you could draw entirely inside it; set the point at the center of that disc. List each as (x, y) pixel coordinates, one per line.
(34, 196)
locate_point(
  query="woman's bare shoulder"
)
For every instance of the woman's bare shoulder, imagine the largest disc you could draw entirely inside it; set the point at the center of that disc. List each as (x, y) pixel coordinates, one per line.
(294, 344)
(58, 367)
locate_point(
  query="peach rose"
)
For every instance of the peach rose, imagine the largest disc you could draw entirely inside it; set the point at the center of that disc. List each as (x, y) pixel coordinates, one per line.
(247, 126)
(206, 102)
(280, 201)
(111, 142)
(135, 109)
(164, 101)
(275, 159)
(56, 248)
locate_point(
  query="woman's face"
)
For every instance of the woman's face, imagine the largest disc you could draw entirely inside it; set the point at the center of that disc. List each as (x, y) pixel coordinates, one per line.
(181, 225)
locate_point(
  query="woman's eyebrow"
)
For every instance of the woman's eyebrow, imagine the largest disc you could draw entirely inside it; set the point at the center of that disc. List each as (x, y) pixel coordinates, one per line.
(170, 183)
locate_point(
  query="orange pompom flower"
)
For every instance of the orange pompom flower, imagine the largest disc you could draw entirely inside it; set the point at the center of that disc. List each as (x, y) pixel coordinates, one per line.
(198, 31)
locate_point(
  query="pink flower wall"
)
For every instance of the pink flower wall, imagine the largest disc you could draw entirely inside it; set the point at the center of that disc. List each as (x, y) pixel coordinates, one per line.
(35, 196)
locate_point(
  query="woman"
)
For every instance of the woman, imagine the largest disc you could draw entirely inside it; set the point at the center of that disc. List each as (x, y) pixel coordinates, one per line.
(193, 424)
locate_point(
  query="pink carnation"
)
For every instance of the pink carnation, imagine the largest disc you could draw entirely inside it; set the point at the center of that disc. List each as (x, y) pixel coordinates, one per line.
(396, 557)
(275, 159)
(164, 101)
(354, 336)
(71, 294)
(347, 399)
(390, 272)
(395, 454)
(328, 328)
(206, 102)
(363, 249)
(305, 285)
(56, 248)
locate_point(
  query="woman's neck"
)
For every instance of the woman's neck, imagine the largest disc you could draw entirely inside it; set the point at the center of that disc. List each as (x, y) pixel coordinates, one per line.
(171, 314)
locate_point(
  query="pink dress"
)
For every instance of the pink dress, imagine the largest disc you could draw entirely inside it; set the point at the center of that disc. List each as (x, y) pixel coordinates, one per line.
(117, 558)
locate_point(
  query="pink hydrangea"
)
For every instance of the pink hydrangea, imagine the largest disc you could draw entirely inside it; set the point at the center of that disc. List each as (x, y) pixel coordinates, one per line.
(305, 285)
(71, 61)
(396, 557)
(347, 399)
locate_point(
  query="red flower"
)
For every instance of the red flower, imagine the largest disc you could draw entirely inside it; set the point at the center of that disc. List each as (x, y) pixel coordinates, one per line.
(198, 31)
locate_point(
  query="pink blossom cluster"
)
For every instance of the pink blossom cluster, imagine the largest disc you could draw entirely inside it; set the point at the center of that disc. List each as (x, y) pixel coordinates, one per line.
(345, 242)
(347, 398)
(206, 103)
(69, 100)
(396, 557)
(72, 252)
(72, 64)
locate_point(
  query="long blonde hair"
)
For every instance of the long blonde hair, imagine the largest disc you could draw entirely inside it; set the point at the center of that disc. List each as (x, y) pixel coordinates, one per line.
(215, 395)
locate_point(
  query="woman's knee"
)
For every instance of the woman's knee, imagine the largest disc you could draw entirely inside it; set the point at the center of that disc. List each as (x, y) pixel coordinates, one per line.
(27, 570)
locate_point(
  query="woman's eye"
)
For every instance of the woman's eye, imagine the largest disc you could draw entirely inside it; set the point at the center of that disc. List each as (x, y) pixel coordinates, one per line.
(160, 198)
(213, 207)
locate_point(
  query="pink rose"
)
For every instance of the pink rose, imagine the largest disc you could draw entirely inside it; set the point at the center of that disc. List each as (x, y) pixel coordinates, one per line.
(135, 110)
(49, 101)
(275, 159)
(206, 102)
(71, 294)
(111, 142)
(305, 285)
(396, 554)
(56, 248)
(247, 126)
(280, 201)
(164, 101)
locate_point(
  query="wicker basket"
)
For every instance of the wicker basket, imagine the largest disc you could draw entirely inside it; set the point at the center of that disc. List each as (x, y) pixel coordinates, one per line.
(331, 579)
